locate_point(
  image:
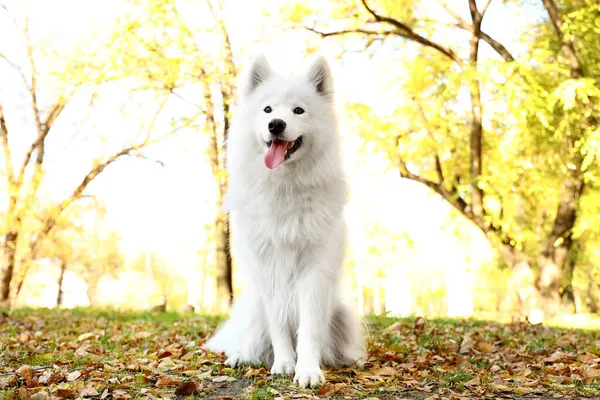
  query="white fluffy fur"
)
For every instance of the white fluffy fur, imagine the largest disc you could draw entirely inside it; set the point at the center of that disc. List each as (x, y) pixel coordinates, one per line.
(289, 233)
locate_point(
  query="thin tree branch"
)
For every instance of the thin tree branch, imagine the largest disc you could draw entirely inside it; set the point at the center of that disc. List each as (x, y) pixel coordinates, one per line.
(494, 44)
(438, 163)
(485, 8)
(6, 148)
(407, 32)
(16, 68)
(351, 31)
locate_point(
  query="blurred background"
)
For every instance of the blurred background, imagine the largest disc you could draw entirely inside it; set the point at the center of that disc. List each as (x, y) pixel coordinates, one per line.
(471, 145)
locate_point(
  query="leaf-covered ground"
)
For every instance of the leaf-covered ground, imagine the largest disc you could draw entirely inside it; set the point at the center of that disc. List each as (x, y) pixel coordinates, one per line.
(48, 354)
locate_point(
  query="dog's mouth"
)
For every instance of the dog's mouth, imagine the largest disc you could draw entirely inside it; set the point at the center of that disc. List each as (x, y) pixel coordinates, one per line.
(279, 150)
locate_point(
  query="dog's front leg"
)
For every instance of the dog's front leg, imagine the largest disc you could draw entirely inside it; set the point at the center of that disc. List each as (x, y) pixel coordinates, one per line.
(315, 314)
(281, 339)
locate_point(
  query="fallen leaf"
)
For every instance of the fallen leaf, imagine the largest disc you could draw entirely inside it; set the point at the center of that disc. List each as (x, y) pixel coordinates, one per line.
(522, 390)
(223, 378)
(419, 324)
(167, 381)
(88, 392)
(473, 382)
(26, 373)
(65, 394)
(22, 393)
(25, 337)
(73, 375)
(329, 389)
(109, 368)
(166, 364)
(40, 396)
(85, 336)
(187, 388)
(485, 347)
(142, 335)
(386, 371)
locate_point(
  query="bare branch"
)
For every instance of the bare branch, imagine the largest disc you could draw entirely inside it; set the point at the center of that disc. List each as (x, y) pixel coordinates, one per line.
(6, 148)
(451, 197)
(351, 31)
(406, 31)
(485, 8)
(438, 163)
(497, 46)
(11, 16)
(15, 67)
(143, 157)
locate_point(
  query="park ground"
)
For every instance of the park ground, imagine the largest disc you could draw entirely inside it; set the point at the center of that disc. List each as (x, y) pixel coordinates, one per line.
(99, 354)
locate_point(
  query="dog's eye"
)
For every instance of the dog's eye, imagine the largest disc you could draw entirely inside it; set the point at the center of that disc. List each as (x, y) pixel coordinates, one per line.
(298, 110)
(268, 109)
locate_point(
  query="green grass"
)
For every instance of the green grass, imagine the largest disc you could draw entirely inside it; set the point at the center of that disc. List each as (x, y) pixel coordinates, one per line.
(155, 353)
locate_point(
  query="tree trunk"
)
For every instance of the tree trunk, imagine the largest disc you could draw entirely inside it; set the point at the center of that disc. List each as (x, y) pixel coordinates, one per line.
(217, 161)
(59, 296)
(566, 292)
(522, 283)
(224, 270)
(10, 248)
(558, 245)
(592, 297)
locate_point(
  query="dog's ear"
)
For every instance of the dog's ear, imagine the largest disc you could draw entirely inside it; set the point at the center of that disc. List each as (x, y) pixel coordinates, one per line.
(260, 70)
(319, 75)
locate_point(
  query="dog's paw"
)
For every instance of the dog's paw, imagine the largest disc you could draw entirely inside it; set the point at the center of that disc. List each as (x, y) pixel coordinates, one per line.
(309, 378)
(234, 360)
(283, 368)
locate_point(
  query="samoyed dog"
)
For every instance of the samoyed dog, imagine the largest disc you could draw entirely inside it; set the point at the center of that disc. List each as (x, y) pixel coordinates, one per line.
(286, 199)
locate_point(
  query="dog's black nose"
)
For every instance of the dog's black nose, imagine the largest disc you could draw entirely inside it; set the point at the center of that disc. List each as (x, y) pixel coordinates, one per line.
(276, 126)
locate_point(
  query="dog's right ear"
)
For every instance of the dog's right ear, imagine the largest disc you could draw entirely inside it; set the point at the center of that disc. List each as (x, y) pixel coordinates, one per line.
(260, 70)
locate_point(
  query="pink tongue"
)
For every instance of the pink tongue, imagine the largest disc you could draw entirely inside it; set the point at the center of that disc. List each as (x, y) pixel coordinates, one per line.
(276, 153)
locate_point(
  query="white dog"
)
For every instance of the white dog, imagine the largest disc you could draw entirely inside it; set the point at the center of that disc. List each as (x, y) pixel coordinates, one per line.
(286, 199)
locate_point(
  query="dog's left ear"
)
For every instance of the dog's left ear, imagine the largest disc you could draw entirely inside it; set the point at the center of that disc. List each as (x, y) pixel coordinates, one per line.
(260, 70)
(319, 75)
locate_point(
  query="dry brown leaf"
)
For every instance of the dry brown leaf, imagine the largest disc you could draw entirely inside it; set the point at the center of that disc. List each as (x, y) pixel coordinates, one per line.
(187, 388)
(88, 392)
(40, 396)
(167, 381)
(110, 368)
(473, 382)
(65, 394)
(330, 389)
(485, 347)
(73, 375)
(85, 336)
(385, 371)
(22, 393)
(142, 335)
(26, 373)
(419, 324)
(24, 337)
(522, 390)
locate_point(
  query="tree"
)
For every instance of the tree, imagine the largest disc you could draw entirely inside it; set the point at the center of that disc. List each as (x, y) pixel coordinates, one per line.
(28, 219)
(518, 179)
(212, 73)
(218, 134)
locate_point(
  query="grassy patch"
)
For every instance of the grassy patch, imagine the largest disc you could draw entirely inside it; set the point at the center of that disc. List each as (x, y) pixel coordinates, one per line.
(88, 352)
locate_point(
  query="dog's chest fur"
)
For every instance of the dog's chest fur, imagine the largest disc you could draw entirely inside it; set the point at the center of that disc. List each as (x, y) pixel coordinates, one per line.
(281, 216)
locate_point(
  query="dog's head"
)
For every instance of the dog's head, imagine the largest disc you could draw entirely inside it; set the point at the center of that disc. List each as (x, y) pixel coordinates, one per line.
(290, 117)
